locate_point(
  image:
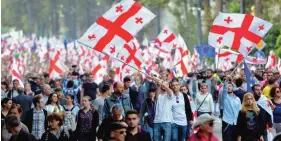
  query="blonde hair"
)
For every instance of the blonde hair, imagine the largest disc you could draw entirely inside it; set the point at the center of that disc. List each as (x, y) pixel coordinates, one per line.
(246, 107)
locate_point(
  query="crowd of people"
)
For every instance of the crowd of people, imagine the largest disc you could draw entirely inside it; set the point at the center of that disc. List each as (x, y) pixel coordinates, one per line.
(142, 108)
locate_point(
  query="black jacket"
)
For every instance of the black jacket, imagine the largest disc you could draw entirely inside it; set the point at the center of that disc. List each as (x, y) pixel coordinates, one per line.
(188, 112)
(103, 132)
(141, 136)
(25, 102)
(28, 121)
(95, 123)
(65, 135)
(23, 136)
(249, 126)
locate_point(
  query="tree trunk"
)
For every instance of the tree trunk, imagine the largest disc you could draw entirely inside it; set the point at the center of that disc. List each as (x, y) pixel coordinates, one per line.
(258, 8)
(242, 6)
(29, 16)
(219, 7)
(199, 24)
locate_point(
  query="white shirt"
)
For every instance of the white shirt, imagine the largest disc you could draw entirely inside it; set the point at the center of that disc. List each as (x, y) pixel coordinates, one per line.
(164, 108)
(50, 109)
(207, 105)
(178, 109)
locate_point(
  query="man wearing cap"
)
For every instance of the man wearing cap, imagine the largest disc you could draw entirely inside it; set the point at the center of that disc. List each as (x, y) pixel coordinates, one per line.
(117, 131)
(231, 107)
(205, 123)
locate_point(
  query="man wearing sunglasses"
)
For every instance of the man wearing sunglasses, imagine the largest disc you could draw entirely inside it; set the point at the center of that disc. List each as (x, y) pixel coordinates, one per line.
(117, 131)
(181, 111)
(134, 132)
(205, 123)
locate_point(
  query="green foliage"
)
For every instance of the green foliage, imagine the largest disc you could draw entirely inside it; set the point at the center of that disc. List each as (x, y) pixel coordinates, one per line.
(234, 6)
(271, 39)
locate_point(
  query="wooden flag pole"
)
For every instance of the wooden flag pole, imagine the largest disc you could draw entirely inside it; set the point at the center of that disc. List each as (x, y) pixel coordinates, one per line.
(236, 67)
(117, 60)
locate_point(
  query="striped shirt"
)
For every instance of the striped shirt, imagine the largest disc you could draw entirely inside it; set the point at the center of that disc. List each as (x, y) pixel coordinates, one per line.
(72, 91)
(38, 124)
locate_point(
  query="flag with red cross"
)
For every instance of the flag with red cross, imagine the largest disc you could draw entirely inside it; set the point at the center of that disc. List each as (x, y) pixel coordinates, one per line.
(271, 61)
(265, 103)
(56, 66)
(182, 62)
(166, 40)
(240, 32)
(15, 72)
(116, 27)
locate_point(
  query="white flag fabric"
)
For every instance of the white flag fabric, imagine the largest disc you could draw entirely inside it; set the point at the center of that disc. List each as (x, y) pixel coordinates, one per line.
(266, 105)
(240, 32)
(116, 27)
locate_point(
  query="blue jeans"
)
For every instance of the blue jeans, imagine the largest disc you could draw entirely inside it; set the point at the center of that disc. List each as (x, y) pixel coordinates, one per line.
(149, 130)
(165, 128)
(179, 132)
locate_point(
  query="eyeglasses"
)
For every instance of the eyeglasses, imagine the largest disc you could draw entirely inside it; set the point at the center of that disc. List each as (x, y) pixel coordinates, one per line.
(177, 99)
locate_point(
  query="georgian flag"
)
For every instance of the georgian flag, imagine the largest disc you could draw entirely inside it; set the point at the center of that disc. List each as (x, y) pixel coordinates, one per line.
(116, 27)
(266, 105)
(166, 40)
(240, 32)
(254, 60)
(182, 63)
(279, 66)
(15, 72)
(272, 61)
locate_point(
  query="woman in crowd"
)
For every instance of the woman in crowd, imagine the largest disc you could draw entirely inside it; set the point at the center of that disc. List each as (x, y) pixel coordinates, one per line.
(87, 121)
(205, 123)
(249, 126)
(6, 104)
(53, 105)
(147, 112)
(4, 89)
(17, 111)
(27, 89)
(70, 113)
(275, 93)
(56, 131)
(204, 101)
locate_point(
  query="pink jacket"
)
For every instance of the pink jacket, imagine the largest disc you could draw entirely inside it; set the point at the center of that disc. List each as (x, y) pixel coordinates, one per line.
(200, 137)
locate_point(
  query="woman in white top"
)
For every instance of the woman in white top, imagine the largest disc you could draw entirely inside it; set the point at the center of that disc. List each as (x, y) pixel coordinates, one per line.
(204, 101)
(53, 105)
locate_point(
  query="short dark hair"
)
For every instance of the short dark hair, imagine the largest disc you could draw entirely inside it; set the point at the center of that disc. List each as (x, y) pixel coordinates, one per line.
(105, 88)
(126, 79)
(255, 85)
(271, 81)
(131, 112)
(46, 75)
(15, 106)
(5, 101)
(238, 82)
(58, 89)
(70, 84)
(12, 121)
(36, 99)
(57, 117)
(272, 91)
(15, 80)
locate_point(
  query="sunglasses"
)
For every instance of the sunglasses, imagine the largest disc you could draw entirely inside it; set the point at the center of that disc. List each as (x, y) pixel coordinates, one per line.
(277, 91)
(121, 132)
(211, 123)
(177, 99)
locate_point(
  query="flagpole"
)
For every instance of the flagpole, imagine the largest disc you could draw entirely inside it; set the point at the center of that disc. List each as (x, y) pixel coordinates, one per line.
(236, 67)
(218, 58)
(116, 59)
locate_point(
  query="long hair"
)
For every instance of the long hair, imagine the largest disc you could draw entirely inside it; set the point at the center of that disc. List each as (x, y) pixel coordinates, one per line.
(50, 100)
(253, 107)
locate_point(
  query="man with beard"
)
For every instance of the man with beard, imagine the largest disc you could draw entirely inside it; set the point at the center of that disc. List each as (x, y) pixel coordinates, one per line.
(265, 108)
(134, 132)
(231, 107)
(117, 97)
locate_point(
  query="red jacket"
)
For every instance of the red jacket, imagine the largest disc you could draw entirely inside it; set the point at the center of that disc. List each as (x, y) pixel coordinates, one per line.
(200, 137)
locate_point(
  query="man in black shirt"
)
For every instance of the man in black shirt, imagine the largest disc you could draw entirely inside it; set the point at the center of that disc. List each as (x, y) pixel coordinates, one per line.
(134, 132)
(90, 88)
